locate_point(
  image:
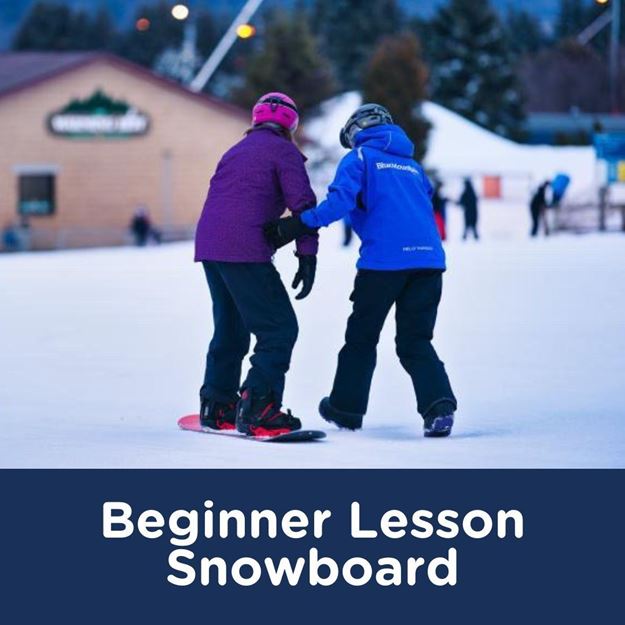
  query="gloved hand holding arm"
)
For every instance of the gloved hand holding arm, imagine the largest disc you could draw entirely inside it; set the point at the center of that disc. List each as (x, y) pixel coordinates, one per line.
(282, 231)
(342, 194)
(298, 196)
(341, 200)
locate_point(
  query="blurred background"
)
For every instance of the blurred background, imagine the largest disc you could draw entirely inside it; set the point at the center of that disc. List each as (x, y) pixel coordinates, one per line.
(113, 117)
(114, 113)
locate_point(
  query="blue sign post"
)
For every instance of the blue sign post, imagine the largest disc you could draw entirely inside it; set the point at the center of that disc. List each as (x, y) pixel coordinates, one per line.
(610, 147)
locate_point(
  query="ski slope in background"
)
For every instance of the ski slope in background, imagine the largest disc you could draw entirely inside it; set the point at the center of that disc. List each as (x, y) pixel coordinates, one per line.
(458, 147)
(102, 351)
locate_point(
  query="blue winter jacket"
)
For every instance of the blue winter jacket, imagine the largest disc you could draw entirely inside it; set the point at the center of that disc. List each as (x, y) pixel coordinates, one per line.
(388, 198)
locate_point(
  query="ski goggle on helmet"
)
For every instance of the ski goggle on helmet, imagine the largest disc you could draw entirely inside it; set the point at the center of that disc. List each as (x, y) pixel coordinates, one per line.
(366, 116)
(276, 108)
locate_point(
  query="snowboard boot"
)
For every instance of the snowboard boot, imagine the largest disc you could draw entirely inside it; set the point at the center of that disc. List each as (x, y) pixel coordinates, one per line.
(217, 415)
(259, 415)
(344, 420)
(439, 420)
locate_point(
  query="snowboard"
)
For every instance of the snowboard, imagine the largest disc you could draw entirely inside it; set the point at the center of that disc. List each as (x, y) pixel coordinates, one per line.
(191, 423)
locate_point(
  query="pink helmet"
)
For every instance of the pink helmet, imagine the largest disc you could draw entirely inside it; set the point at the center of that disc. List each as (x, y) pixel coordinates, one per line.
(276, 108)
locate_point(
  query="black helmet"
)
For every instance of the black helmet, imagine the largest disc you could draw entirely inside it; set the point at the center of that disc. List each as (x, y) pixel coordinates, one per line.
(365, 116)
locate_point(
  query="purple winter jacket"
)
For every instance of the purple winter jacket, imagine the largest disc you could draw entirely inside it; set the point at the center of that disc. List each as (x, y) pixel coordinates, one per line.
(255, 182)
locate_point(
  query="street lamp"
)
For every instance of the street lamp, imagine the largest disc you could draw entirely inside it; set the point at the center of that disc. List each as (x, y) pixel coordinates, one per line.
(245, 31)
(615, 54)
(180, 12)
(142, 24)
(226, 42)
(613, 16)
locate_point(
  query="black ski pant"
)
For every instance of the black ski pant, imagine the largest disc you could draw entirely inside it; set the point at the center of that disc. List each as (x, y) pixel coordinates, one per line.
(538, 215)
(470, 226)
(248, 298)
(416, 295)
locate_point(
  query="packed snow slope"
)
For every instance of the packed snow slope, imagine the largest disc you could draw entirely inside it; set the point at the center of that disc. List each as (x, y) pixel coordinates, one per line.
(103, 350)
(458, 147)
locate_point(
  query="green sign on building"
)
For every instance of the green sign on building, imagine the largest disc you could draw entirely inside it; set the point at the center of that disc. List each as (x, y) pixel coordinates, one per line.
(98, 116)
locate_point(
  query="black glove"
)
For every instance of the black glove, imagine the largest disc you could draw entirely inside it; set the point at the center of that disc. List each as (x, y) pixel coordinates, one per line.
(305, 275)
(281, 232)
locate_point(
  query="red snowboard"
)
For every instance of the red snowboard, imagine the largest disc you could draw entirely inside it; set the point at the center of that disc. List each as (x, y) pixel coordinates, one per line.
(192, 424)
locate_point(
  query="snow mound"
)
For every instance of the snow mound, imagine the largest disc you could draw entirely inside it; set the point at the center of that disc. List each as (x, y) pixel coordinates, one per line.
(325, 127)
(457, 147)
(461, 146)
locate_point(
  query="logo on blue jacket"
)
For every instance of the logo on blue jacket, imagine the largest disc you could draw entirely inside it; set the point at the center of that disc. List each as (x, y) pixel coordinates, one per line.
(388, 198)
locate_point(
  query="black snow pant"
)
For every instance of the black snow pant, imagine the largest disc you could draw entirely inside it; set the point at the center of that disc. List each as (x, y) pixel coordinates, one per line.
(470, 226)
(539, 214)
(248, 298)
(416, 295)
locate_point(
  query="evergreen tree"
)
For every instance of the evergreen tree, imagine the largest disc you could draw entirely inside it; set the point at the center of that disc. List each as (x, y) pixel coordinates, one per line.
(55, 26)
(144, 46)
(349, 31)
(472, 66)
(420, 26)
(574, 16)
(525, 32)
(287, 60)
(209, 31)
(103, 32)
(567, 76)
(46, 27)
(396, 77)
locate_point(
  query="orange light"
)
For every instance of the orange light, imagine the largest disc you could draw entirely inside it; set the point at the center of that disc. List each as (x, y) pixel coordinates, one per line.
(602, 1)
(245, 31)
(143, 23)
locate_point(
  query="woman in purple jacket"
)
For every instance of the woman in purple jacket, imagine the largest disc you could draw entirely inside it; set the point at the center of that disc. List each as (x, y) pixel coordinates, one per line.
(255, 182)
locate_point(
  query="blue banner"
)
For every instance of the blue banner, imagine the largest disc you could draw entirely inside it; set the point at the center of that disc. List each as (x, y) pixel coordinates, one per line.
(610, 146)
(365, 546)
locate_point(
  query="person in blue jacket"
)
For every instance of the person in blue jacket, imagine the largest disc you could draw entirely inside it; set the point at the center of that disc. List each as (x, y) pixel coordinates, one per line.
(388, 198)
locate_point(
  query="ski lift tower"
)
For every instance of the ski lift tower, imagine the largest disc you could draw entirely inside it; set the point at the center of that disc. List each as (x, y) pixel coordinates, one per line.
(227, 41)
(611, 16)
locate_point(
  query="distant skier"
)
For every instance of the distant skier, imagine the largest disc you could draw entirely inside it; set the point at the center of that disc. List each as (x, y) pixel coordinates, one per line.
(11, 240)
(439, 204)
(141, 226)
(348, 231)
(387, 196)
(255, 181)
(468, 201)
(538, 209)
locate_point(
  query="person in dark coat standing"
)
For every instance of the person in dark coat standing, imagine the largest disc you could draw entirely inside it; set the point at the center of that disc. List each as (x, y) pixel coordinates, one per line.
(538, 209)
(256, 181)
(348, 231)
(141, 226)
(468, 201)
(439, 204)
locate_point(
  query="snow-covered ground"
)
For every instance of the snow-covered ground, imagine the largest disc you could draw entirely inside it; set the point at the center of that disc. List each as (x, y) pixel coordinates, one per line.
(102, 350)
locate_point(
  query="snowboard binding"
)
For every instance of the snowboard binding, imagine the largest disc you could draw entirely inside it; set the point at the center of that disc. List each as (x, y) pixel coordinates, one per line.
(218, 415)
(259, 415)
